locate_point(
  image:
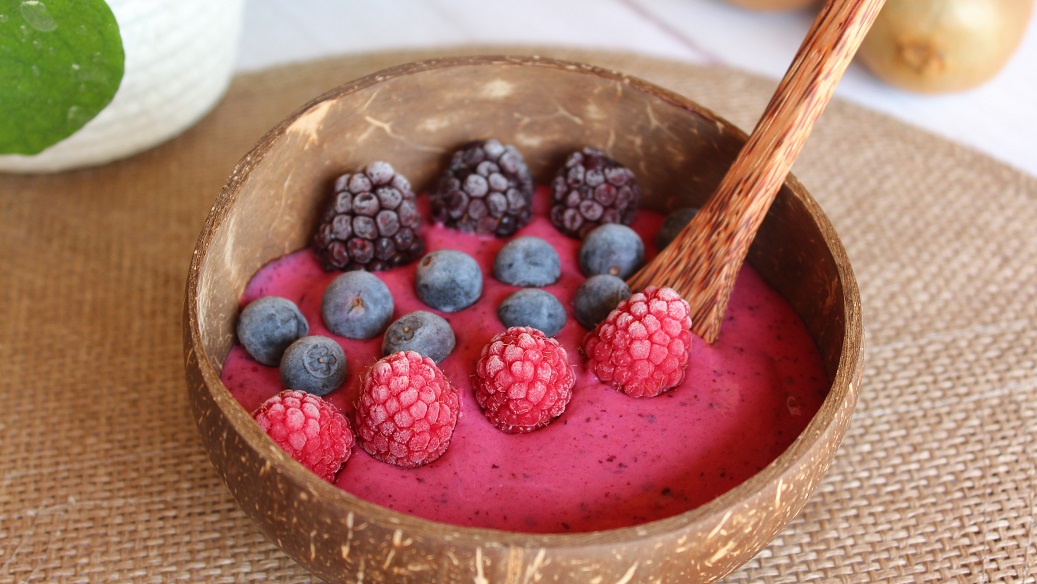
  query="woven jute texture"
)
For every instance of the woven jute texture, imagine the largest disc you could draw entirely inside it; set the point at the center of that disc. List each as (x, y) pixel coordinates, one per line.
(103, 476)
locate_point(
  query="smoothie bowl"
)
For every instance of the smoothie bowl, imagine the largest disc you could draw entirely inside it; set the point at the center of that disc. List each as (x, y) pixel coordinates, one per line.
(534, 509)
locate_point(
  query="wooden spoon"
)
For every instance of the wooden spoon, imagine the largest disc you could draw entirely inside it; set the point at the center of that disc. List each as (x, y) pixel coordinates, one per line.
(703, 260)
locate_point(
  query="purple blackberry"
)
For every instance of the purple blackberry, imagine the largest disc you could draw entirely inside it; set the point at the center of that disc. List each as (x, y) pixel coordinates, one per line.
(371, 222)
(592, 190)
(486, 189)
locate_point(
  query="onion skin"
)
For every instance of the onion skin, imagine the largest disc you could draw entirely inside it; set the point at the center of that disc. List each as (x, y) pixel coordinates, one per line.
(942, 46)
(773, 4)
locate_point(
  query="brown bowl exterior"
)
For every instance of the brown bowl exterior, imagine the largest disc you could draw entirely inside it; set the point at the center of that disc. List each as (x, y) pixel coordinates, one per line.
(414, 116)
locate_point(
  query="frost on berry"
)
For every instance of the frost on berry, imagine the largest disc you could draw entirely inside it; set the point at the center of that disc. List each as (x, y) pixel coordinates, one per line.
(523, 380)
(311, 430)
(487, 188)
(642, 347)
(370, 222)
(407, 410)
(592, 189)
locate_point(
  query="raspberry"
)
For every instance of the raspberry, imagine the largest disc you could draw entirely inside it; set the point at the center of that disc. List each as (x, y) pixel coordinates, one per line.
(310, 429)
(486, 189)
(642, 347)
(591, 190)
(523, 380)
(407, 410)
(371, 222)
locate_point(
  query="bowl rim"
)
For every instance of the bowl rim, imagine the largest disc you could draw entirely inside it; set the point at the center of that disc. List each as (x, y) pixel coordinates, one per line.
(839, 402)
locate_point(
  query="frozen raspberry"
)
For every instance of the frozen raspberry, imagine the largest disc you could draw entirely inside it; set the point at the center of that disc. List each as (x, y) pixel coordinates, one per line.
(310, 429)
(523, 380)
(592, 190)
(371, 222)
(407, 410)
(486, 189)
(642, 347)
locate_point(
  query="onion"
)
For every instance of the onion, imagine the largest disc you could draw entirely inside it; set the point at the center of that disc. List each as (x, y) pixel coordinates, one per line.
(937, 46)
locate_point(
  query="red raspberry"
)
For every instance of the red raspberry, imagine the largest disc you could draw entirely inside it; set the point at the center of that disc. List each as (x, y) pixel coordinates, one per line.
(642, 347)
(407, 410)
(523, 380)
(310, 429)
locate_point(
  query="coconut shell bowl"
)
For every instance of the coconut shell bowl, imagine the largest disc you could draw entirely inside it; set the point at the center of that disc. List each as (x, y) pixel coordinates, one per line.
(415, 115)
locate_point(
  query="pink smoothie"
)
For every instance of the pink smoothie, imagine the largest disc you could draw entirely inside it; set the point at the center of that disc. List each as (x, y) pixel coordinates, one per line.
(610, 460)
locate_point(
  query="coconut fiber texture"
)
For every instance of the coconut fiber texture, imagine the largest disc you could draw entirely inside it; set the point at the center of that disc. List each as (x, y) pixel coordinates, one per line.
(103, 476)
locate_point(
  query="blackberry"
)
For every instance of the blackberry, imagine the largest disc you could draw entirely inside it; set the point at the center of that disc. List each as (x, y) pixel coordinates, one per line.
(371, 222)
(487, 189)
(592, 190)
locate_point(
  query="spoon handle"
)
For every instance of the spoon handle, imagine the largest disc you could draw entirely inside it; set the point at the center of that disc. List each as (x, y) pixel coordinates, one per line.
(704, 259)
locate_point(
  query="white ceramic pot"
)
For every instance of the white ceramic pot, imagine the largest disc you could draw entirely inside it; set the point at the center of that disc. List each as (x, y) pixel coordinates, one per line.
(180, 57)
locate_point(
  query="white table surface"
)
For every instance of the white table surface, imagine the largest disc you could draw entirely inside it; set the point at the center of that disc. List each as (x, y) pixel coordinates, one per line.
(999, 118)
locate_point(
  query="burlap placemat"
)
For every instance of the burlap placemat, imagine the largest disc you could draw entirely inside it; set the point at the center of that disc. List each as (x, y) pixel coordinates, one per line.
(103, 477)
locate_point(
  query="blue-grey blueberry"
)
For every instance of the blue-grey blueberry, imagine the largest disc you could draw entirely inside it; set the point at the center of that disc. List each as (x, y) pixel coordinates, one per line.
(672, 225)
(420, 331)
(314, 364)
(268, 325)
(613, 249)
(448, 280)
(533, 307)
(596, 297)
(357, 305)
(527, 261)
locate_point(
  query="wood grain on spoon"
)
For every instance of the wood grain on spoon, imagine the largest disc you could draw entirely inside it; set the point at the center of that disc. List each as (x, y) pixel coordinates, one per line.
(703, 260)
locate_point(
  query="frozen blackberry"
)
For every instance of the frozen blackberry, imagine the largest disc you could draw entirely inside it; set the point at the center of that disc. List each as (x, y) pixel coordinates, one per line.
(371, 222)
(356, 305)
(486, 189)
(422, 332)
(591, 190)
(673, 224)
(611, 249)
(527, 261)
(533, 307)
(268, 325)
(448, 280)
(596, 297)
(314, 364)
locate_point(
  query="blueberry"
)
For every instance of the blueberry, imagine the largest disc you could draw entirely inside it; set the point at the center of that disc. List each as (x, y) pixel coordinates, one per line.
(268, 325)
(527, 261)
(448, 280)
(672, 225)
(420, 331)
(596, 297)
(313, 364)
(356, 305)
(611, 249)
(533, 307)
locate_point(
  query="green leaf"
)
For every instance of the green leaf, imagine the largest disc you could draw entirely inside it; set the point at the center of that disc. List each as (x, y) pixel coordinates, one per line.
(61, 62)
